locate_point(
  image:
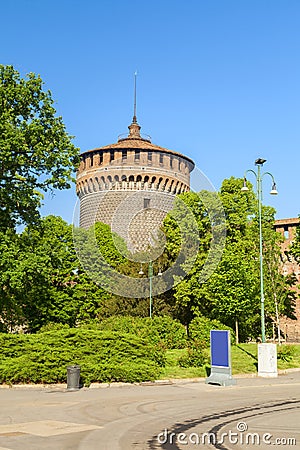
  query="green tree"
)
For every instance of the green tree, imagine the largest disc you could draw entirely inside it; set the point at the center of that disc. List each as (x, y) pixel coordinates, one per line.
(233, 287)
(236, 284)
(188, 242)
(10, 310)
(36, 152)
(42, 280)
(232, 292)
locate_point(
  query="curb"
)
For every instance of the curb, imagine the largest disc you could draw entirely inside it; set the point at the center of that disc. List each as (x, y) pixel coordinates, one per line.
(167, 382)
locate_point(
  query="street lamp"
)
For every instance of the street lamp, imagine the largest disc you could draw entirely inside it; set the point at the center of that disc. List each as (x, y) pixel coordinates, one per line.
(259, 176)
(150, 275)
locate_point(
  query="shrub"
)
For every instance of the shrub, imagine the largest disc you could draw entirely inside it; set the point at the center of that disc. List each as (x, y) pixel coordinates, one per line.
(286, 352)
(199, 341)
(52, 326)
(102, 355)
(199, 329)
(161, 330)
(195, 355)
(171, 332)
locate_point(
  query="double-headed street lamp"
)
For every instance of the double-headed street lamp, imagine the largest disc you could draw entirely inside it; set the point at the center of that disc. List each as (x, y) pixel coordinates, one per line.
(259, 176)
(150, 276)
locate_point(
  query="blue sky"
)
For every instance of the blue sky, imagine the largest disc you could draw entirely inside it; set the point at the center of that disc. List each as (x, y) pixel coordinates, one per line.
(218, 80)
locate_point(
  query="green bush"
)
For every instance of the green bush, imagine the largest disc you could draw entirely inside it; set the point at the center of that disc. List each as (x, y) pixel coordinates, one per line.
(195, 355)
(102, 355)
(286, 352)
(199, 329)
(52, 326)
(199, 341)
(171, 332)
(161, 330)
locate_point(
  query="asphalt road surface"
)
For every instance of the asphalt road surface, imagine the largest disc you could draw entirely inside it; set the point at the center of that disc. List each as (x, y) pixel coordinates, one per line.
(255, 413)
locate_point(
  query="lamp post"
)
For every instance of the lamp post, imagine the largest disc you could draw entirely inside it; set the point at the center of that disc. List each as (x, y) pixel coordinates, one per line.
(259, 176)
(150, 276)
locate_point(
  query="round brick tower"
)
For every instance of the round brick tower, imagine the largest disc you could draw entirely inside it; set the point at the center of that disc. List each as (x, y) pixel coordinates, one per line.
(131, 185)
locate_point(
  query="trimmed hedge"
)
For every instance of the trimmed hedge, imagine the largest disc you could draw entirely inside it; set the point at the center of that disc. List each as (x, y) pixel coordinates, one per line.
(104, 356)
(161, 330)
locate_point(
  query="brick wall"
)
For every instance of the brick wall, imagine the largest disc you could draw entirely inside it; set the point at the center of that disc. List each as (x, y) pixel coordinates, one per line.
(287, 228)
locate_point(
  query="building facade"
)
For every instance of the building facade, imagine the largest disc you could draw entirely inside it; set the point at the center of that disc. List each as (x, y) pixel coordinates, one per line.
(131, 185)
(287, 228)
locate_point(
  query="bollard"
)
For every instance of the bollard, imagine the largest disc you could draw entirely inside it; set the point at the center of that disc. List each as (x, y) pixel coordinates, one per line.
(73, 377)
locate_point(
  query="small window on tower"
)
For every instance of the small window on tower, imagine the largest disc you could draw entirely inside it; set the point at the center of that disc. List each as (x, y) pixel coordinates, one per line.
(149, 156)
(137, 155)
(161, 158)
(146, 203)
(124, 155)
(112, 155)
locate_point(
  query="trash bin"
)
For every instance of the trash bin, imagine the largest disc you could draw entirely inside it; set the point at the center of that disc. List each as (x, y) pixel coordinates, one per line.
(73, 377)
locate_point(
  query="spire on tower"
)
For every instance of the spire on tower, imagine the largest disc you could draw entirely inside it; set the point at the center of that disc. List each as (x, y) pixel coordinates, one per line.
(134, 128)
(134, 103)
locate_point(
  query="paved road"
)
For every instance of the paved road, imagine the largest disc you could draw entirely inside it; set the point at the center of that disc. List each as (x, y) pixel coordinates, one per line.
(255, 411)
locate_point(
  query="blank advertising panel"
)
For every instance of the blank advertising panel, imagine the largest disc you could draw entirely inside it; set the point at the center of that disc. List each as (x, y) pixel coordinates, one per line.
(219, 342)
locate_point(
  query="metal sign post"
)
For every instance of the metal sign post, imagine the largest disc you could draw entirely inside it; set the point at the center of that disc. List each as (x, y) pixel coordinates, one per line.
(220, 359)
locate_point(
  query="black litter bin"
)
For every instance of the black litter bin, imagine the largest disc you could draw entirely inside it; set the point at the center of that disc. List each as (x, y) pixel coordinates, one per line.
(73, 377)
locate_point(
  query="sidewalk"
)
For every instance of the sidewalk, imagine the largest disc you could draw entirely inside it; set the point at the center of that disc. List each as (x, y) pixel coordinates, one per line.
(131, 416)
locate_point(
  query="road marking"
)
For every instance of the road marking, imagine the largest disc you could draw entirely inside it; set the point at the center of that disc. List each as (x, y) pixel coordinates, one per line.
(46, 428)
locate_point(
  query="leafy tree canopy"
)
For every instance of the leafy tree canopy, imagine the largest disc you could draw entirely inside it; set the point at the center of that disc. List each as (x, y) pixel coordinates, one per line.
(36, 152)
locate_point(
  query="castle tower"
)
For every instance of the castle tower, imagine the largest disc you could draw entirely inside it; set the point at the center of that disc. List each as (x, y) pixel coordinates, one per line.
(131, 185)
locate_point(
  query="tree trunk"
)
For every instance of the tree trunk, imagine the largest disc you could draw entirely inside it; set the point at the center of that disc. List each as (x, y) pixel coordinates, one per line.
(236, 332)
(277, 318)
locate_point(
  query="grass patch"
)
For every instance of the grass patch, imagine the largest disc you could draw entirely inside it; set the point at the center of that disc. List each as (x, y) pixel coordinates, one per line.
(173, 370)
(243, 356)
(293, 356)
